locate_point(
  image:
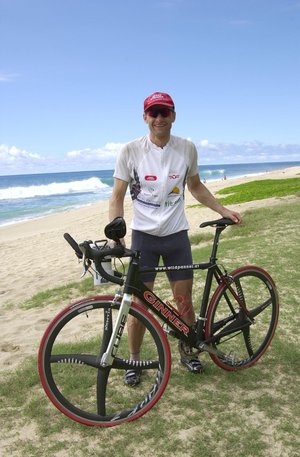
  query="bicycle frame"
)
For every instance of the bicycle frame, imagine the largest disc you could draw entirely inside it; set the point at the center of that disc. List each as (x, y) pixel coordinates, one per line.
(134, 287)
(246, 296)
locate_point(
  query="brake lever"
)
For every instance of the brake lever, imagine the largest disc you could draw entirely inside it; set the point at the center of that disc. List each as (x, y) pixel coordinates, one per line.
(86, 265)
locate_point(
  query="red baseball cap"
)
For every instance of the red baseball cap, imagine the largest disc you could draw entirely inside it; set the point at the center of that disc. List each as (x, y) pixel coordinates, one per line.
(158, 98)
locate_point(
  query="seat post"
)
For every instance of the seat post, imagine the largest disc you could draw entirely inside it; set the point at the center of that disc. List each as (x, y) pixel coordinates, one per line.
(213, 256)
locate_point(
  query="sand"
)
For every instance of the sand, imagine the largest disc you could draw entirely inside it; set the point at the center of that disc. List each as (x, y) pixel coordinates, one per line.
(35, 257)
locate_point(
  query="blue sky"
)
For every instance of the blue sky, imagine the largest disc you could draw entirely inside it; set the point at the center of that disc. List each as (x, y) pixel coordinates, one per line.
(74, 74)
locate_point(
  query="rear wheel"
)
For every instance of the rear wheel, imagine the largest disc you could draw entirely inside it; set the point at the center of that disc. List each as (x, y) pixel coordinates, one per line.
(70, 371)
(242, 318)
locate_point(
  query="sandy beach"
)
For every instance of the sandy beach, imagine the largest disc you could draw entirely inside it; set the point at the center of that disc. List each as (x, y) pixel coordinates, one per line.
(35, 257)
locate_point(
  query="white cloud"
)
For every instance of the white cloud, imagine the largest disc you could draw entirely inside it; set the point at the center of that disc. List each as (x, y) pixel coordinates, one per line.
(204, 143)
(104, 156)
(14, 160)
(247, 152)
(11, 156)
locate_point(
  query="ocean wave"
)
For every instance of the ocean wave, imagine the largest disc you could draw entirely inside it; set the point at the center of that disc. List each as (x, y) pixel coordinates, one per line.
(63, 188)
(210, 172)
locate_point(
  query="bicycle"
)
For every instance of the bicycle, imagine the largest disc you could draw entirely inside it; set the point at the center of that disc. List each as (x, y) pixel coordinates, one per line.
(84, 350)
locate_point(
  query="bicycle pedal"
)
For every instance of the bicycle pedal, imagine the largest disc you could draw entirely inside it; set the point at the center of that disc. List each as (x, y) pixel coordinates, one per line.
(187, 350)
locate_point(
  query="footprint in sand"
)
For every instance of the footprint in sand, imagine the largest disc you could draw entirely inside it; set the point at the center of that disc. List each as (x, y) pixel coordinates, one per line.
(9, 347)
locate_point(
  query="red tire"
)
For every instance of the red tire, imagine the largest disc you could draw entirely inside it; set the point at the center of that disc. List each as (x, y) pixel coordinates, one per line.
(76, 383)
(241, 338)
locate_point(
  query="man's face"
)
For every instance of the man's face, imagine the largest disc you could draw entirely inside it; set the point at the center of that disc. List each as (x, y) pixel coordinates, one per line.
(159, 119)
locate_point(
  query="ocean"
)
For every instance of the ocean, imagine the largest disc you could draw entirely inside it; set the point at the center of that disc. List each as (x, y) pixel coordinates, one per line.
(24, 197)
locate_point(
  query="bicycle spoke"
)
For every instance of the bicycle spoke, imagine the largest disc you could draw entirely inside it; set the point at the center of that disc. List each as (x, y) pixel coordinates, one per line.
(247, 338)
(81, 359)
(240, 292)
(102, 379)
(238, 323)
(125, 364)
(107, 329)
(259, 309)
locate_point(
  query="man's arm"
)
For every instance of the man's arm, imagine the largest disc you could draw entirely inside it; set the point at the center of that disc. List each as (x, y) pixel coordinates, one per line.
(203, 195)
(116, 202)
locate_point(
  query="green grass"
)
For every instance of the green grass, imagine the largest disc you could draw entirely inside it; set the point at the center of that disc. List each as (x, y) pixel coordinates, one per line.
(257, 190)
(61, 294)
(251, 413)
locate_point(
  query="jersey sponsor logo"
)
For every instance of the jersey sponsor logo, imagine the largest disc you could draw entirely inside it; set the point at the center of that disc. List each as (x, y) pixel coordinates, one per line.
(175, 190)
(150, 178)
(170, 203)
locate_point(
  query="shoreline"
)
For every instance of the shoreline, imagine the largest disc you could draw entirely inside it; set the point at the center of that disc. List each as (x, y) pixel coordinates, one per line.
(35, 257)
(40, 243)
(50, 213)
(88, 204)
(17, 214)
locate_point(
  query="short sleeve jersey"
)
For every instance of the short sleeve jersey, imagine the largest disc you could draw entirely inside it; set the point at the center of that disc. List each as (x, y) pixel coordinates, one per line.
(157, 178)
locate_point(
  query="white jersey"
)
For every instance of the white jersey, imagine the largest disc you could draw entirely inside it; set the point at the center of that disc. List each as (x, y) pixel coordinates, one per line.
(157, 178)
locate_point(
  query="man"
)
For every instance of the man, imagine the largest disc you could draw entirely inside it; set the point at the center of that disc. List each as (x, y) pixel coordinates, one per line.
(157, 167)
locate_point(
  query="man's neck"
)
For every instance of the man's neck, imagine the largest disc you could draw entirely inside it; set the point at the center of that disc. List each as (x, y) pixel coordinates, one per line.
(160, 141)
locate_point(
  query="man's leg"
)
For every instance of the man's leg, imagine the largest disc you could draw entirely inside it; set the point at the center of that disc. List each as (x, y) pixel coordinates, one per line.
(136, 331)
(182, 292)
(135, 328)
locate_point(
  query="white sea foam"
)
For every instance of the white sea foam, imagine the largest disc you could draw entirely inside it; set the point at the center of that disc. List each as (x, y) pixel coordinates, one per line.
(85, 186)
(212, 172)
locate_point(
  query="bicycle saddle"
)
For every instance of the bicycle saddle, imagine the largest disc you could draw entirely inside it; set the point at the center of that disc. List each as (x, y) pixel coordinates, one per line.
(217, 223)
(116, 229)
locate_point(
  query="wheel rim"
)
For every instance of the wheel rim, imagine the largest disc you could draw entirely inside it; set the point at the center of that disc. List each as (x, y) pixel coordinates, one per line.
(244, 347)
(76, 384)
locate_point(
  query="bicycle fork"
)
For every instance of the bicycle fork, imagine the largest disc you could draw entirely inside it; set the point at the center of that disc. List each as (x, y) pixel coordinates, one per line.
(114, 341)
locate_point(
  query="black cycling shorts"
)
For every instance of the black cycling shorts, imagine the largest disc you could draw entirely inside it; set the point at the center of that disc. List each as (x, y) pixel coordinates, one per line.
(174, 249)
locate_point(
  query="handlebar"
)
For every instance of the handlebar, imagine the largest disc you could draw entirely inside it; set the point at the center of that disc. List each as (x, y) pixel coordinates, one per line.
(73, 245)
(98, 254)
(116, 230)
(91, 251)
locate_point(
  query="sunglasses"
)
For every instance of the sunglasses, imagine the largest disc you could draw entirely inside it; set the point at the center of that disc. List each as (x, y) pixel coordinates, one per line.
(164, 112)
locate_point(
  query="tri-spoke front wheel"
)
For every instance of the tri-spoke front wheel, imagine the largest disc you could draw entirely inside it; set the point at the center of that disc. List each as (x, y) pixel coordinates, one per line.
(242, 318)
(70, 370)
